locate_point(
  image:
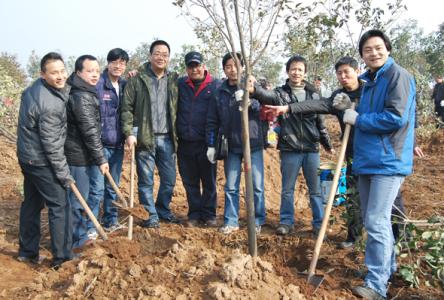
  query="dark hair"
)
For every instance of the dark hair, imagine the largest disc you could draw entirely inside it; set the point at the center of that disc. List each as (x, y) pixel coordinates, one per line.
(347, 60)
(318, 78)
(372, 33)
(49, 56)
(157, 43)
(230, 55)
(117, 53)
(78, 66)
(296, 58)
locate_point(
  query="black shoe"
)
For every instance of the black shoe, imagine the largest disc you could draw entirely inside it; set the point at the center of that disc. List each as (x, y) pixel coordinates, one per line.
(346, 244)
(366, 293)
(171, 219)
(193, 223)
(211, 222)
(151, 224)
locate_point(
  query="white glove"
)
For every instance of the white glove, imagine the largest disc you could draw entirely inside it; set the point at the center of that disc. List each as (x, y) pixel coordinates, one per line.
(238, 95)
(442, 103)
(342, 102)
(211, 155)
(350, 116)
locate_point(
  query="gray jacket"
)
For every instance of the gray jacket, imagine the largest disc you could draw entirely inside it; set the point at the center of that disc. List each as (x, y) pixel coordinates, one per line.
(41, 129)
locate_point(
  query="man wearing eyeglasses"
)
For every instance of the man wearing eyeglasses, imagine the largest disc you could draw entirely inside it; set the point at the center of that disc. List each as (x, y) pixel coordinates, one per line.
(148, 121)
(110, 93)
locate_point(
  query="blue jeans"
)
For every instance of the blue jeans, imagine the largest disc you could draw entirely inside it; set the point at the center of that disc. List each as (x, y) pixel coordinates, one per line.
(377, 194)
(100, 188)
(164, 158)
(291, 162)
(81, 175)
(232, 167)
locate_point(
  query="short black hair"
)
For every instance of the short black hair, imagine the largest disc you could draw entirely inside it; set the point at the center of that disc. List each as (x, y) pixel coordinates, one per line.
(116, 54)
(78, 66)
(49, 56)
(230, 55)
(372, 33)
(347, 60)
(157, 43)
(296, 58)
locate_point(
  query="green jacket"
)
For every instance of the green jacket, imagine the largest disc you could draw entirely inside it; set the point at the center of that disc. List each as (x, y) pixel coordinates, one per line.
(136, 108)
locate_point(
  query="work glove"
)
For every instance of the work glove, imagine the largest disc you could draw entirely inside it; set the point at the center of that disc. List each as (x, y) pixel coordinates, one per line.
(350, 116)
(211, 155)
(341, 102)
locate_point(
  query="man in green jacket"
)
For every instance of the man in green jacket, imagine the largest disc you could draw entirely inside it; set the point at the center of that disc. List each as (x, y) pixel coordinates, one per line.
(148, 122)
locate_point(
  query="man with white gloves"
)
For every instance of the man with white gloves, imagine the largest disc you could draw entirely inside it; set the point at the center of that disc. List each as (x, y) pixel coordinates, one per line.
(383, 153)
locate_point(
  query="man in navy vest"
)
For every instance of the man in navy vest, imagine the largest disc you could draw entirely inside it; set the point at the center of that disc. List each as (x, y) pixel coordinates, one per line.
(198, 174)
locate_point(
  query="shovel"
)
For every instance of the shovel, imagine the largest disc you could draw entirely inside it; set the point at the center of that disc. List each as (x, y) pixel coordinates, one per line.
(88, 211)
(131, 202)
(138, 212)
(313, 279)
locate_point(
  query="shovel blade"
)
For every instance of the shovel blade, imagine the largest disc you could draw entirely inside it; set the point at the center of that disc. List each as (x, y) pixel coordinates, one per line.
(137, 212)
(316, 281)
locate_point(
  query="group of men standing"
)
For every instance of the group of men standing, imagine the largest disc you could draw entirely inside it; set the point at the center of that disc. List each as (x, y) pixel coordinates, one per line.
(77, 136)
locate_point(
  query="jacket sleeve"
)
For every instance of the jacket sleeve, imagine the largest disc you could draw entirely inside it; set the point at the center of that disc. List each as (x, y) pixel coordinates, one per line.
(401, 92)
(270, 97)
(127, 109)
(324, 136)
(322, 106)
(52, 126)
(84, 109)
(213, 122)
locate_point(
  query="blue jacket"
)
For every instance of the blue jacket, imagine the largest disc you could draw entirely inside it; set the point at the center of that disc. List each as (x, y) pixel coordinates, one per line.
(110, 111)
(193, 108)
(224, 115)
(384, 129)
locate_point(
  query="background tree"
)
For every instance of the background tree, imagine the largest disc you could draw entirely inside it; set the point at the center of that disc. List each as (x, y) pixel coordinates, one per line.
(33, 66)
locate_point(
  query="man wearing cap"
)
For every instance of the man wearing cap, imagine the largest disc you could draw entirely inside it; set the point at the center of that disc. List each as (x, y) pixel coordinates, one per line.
(198, 175)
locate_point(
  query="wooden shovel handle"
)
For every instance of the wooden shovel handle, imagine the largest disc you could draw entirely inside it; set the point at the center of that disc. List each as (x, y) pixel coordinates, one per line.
(331, 197)
(88, 211)
(131, 201)
(116, 189)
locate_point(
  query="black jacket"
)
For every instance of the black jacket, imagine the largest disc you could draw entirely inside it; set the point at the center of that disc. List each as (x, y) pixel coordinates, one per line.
(299, 132)
(41, 129)
(83, 146)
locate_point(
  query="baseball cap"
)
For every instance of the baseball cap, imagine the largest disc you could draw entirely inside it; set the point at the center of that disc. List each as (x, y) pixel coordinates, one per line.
(193, 56)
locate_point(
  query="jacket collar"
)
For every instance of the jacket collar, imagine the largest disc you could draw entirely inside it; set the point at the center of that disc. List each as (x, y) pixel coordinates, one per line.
(207, 80)
(366, 77)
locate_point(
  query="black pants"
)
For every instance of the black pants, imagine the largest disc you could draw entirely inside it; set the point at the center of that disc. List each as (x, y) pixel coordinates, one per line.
(195, 169)
(41, 188)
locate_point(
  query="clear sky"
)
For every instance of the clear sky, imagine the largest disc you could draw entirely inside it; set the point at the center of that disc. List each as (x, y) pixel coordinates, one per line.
(76, 27)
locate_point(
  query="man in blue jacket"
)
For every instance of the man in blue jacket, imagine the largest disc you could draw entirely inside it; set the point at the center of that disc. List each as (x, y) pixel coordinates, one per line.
(110, 93)
(196, 91)
(224, 115)
(383, 153)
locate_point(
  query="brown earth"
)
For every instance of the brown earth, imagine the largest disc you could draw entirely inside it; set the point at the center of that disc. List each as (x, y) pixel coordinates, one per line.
(178, 262)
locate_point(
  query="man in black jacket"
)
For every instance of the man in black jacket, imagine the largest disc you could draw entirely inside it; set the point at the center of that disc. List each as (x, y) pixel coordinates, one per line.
(298, 143)
(41, 133)
(83, 146)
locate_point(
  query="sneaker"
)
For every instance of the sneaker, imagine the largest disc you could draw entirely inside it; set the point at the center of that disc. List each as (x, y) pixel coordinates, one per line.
(211, 222)
(366, 293)
(114, 227)
(284, 229)
(346, 244)
(227, 229)
(151, 224)
(172, 219)
(38, 260)
(92, 234)
(193, 223)
(258, 229)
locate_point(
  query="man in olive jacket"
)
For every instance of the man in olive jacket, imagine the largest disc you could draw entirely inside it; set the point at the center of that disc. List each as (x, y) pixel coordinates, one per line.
(41, 134)
(148, 121)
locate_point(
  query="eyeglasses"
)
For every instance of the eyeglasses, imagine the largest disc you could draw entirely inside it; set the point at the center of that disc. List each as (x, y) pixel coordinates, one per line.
(120, 63)
(159, 54)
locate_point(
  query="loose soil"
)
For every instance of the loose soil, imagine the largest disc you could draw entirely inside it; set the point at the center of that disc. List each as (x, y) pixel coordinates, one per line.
(179, 262)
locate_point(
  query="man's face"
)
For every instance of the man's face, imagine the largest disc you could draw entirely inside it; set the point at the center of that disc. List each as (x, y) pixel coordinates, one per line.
(196, 71)
(55, 74)
(116, 68)
(91, 71)
(438, 79)
(230, 70)
(296, 73)
(374, 53)
(160, 57)
(348, 77)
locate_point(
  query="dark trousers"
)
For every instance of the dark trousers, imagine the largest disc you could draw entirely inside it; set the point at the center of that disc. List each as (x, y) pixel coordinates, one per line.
(41, 188)
(199, 179)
